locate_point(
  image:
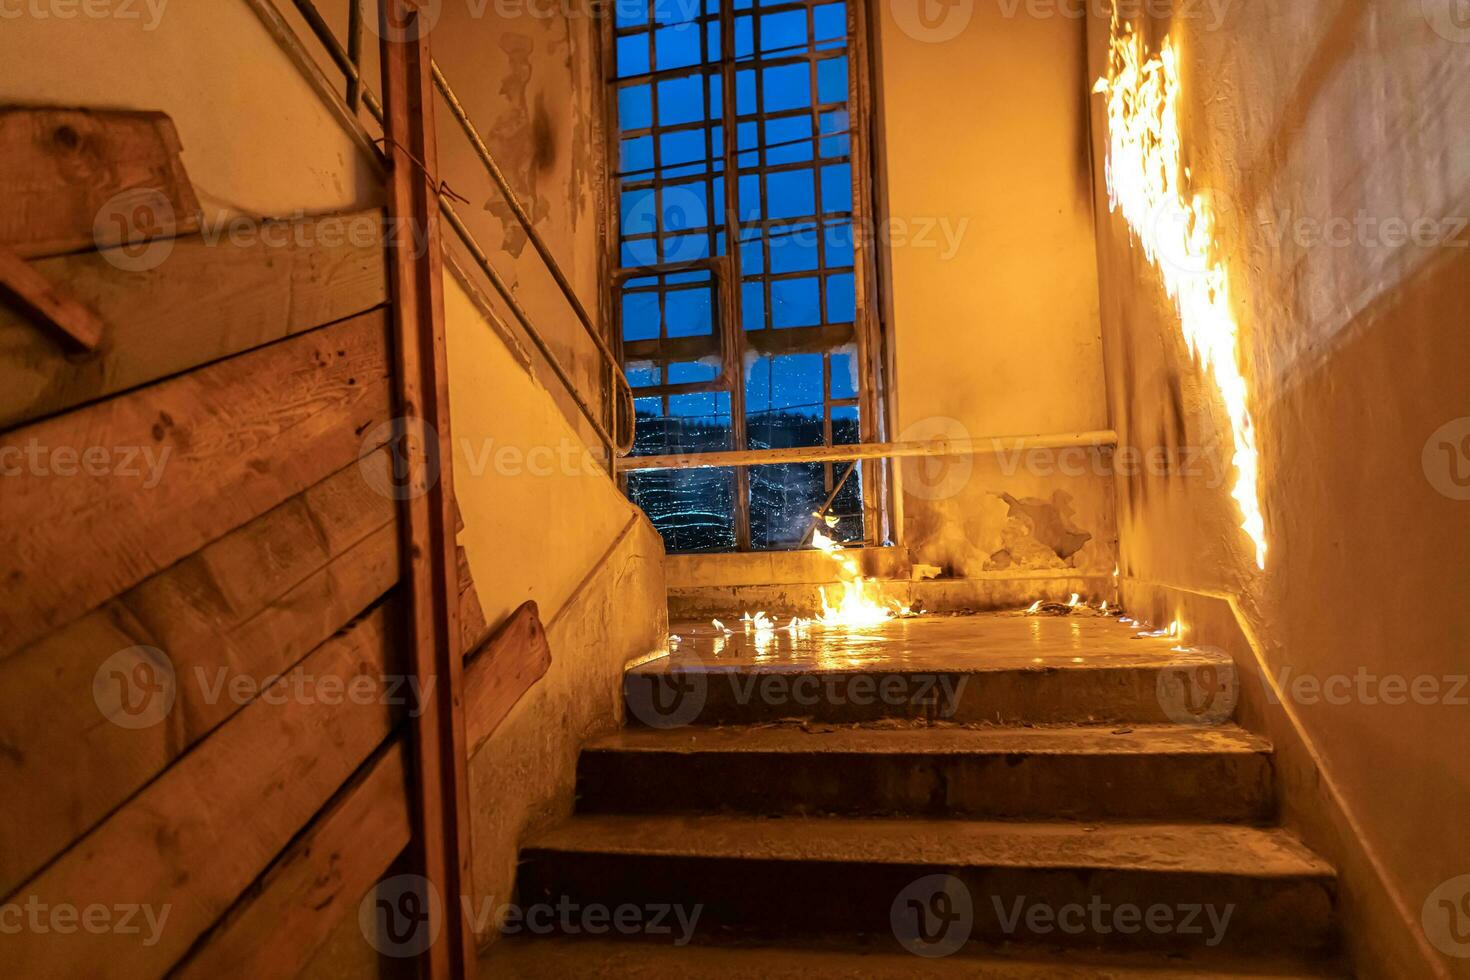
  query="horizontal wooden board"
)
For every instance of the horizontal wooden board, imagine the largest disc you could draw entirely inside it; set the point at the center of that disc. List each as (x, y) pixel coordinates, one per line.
(190, 843)
(242, 609)
(283, 920)
(101, 498)
(77, 178)
(498, 674)
(229, 290)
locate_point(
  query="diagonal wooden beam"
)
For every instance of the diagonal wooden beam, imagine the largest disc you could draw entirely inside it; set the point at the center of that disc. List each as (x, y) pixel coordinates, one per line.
(40, 299)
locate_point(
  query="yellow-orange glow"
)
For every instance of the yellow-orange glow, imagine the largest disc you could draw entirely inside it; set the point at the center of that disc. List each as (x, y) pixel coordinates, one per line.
(1149, 183)
(855, 603)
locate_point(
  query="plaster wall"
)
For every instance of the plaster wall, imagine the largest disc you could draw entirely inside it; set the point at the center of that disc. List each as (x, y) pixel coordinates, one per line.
(993, 314)
(1303, 121)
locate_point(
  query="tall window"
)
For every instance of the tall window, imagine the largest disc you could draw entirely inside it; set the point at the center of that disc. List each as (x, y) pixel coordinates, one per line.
(742, 319)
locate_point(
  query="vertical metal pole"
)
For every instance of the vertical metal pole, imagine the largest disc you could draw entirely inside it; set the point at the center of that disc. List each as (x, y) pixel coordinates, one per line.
(735, 347)
(430, 582)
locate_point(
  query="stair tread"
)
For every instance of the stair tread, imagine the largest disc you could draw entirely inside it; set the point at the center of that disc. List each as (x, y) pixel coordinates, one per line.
(940, 740)
(1188, 848)
(938, 644)
(560, 957)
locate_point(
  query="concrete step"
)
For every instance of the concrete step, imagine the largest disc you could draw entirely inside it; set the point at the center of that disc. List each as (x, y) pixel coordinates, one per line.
(606, 959)
(1145, 682)
(935, 883)
(1151, 772)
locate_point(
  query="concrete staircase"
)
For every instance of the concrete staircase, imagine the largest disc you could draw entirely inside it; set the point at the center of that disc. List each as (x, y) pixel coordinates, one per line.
(1028, 816)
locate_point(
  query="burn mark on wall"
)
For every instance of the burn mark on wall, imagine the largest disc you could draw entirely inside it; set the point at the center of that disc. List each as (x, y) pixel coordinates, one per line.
(1038, 533)
(525, 144)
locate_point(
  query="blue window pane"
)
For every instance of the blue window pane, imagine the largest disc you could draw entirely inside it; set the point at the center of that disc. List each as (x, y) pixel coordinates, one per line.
(839, 244)
(635, 107)
(787, 87)
(632, 55)
(678, 278)
(686, 206)
(747, 137)
(684, 146)
(838, 145)
(630, 13)
(796, 133)
(639, 253)
(687, 313)
(680, 100)
(685, 372)
(832, 80)
(652, 407)
(794, 249)
(831, 21)
(847, 431)
(744, 37)
(841, 298)
(641, 281)
(712, 406)
(716, 98)
(745, 92)
(686, 248)
(837, 188)
(750, 197)
(640, 316)
(677, 47)
(638, 213)
(844, 377)
(784, 32)
(638, 156)
(795, 303)
(790, 194)
(752, 255)
(712, 51)
(642, 375)
(753, 306)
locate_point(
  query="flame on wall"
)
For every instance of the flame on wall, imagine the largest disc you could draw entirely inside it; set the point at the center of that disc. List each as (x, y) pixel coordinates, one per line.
(1149, 183)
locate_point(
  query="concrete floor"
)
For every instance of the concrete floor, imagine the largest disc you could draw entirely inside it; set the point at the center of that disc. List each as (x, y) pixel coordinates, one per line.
(997, 641)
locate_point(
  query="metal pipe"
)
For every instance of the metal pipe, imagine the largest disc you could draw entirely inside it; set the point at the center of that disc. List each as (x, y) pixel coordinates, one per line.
(1101, 438)
(354, 53)
(532, 235)
(523, 318)
(821, 512)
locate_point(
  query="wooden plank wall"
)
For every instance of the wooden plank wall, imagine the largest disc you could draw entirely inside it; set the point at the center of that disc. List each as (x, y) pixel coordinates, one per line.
(202, 706)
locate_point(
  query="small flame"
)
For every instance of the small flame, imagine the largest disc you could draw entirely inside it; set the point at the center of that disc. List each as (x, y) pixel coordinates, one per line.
(1034, 608)
(1075, 601)
(855, 603)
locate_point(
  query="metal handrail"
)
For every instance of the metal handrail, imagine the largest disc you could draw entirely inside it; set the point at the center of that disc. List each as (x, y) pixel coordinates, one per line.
(620, 408)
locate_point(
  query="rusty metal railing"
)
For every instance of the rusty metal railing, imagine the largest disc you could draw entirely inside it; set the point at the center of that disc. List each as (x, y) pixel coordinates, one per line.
(616, 433)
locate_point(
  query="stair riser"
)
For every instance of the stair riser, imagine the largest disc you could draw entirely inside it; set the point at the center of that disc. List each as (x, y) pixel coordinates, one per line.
(1224, 788)
(1098, 695)
(736, 898)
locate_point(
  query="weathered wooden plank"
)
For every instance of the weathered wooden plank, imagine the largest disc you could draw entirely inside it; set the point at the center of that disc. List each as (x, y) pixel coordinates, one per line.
(472, 626)
(215, 295)
(195, 838)
(51, 312)
(101, 498)
(77, 178)
(239, 611)
(499, 673)
(441, 786)
(280, 923)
